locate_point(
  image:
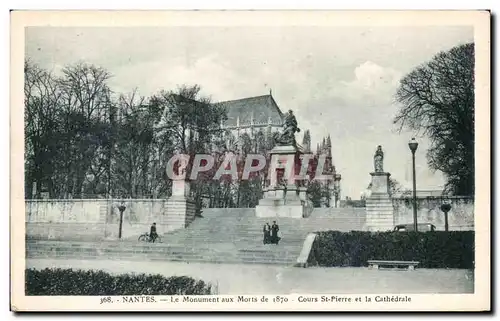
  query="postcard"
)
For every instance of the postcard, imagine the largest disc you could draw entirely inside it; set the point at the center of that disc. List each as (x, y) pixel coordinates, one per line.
(250, 161)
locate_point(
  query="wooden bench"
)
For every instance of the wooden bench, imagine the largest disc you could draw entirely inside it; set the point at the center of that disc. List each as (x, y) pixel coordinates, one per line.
(378, 263)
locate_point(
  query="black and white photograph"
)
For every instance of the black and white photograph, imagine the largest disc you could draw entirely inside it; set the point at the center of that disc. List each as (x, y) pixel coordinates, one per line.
(251, 161)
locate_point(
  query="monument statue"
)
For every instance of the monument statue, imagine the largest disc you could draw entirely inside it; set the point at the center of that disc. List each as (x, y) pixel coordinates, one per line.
(378, 159)
(287, 136)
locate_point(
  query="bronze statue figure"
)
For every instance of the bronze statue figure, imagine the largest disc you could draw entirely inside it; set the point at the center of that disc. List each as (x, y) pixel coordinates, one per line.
(378, 159)
(287, 136)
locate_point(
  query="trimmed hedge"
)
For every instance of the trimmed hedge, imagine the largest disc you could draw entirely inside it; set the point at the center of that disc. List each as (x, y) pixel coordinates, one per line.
(437, 249)
(79, 282)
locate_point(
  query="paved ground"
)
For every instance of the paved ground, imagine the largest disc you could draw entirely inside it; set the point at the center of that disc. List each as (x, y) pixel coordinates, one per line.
(272, 279)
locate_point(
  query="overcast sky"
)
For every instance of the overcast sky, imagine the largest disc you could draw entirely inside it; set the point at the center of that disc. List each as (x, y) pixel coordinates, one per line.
(338, 80)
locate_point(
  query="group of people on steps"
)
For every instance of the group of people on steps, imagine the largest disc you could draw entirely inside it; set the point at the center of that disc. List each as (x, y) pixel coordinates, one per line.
(271, 233)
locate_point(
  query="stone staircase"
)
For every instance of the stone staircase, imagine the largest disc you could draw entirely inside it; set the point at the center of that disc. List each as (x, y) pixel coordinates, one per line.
(224, 235)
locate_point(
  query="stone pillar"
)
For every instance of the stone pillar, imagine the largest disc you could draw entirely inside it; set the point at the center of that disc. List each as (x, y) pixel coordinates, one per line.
(180, 188)
(180, 207)
(282, 202)
(379, 209)
(279, 194)
(292, 197)
(303, 193)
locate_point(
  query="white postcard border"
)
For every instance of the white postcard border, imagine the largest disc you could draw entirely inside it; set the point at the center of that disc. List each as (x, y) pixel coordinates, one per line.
(480, 300)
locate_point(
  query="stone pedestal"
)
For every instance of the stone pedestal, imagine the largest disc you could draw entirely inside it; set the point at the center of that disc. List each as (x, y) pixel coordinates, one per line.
(292, 196)
(180, 207)
(303, 193)
(379, 209)
(279, 200)
(180, 188)
(380, 183)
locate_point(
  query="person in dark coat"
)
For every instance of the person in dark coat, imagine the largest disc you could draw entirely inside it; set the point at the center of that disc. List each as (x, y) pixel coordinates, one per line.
(274, 233)
(267, 233)
(152, 233)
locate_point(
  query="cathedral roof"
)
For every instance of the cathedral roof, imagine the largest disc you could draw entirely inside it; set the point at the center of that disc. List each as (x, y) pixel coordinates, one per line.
(260, 108)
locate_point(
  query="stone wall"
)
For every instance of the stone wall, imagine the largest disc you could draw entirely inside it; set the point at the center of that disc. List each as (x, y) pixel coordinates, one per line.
(460, 217)
(99, 218)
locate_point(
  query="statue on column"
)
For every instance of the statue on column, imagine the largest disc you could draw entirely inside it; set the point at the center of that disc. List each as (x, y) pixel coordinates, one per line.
(378, 159)
(287, 136)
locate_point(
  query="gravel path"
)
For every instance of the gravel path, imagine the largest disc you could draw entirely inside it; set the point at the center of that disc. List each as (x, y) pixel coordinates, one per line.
(272, 279)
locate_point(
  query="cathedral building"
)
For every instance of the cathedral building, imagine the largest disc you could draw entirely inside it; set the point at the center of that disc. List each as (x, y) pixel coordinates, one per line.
(261, 115)
(252, 116)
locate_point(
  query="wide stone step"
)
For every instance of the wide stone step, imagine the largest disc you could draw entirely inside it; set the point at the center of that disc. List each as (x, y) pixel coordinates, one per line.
(164, 248)
(271, 256)
(193, 259)
(165, 253)
(156, 247)
(181, 258)
(283, 228)
(238, 243)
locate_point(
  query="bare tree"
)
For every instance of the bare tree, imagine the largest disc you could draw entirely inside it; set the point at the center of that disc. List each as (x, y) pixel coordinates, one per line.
(191, 119)
(438, 99)
(86, 108)
(42, 96)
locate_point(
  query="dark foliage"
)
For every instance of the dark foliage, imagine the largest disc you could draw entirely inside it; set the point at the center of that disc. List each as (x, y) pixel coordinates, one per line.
(437, 99)
(71, 282)
(432, 249)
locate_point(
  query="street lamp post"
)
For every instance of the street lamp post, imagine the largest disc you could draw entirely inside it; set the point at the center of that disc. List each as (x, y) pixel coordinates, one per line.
(446, 207)
(336, 188)
(121, 208)
(413, 147)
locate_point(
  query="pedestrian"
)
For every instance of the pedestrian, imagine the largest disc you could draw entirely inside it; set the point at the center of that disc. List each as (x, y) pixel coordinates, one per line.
(267, 233)
(274, 233)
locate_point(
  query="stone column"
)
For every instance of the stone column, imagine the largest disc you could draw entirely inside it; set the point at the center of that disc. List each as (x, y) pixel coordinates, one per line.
(180, 207)
(379, 209)
(180, 188)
